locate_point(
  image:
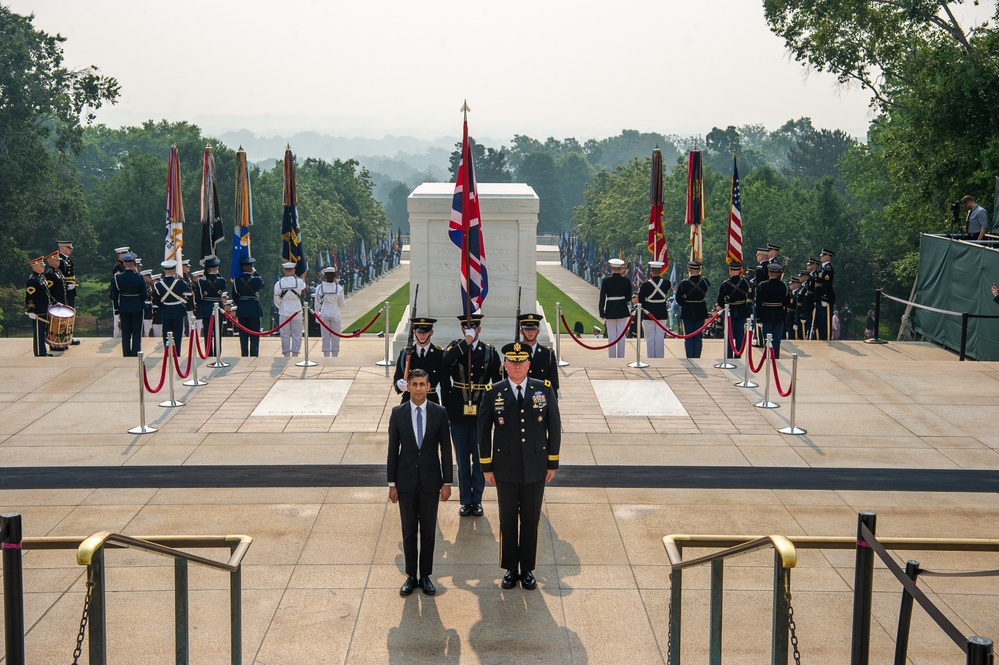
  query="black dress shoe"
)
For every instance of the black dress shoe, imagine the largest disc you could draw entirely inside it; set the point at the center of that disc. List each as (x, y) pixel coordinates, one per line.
(465, 510)
(428, 586)
(477, 509)
(510, 579)
(528, 581)
(75, 342)
(408, 586)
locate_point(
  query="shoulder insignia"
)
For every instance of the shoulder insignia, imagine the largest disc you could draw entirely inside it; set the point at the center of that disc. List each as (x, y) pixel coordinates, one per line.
(548, 384)
(31, 290)
(489, 387)
(827, 277)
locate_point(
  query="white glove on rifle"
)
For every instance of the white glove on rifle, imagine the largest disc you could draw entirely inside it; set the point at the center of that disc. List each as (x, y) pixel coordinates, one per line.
(401, 385)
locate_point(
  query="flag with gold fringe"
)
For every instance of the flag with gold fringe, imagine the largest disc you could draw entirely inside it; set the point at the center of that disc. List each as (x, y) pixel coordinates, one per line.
(174, 237)
(657, 241)
(695, 202)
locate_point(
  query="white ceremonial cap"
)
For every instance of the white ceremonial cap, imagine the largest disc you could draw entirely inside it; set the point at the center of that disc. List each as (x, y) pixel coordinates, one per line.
(169, 264)
(121, 250)
(288, 264)
(616, 263)
(655, 264)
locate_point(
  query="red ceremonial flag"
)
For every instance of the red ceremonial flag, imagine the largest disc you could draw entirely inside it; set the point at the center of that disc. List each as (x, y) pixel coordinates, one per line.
(734, 252)
(695, 202)
(657, 241)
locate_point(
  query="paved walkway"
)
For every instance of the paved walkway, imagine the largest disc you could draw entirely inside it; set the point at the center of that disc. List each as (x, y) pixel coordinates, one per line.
(322, 576)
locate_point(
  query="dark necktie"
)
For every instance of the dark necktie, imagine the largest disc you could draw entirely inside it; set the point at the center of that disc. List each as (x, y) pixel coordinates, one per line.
(520, 396)
(419, 427)
(423, 353)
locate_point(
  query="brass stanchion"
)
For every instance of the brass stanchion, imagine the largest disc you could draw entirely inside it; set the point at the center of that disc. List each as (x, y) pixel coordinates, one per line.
(791, 428)
(558, 336)
(766, 403)
(218, 339)
(638, 341)
(142, 428)
(387, 361)
(170, 403)
(725, 364)
(746, 383)
(305, 327)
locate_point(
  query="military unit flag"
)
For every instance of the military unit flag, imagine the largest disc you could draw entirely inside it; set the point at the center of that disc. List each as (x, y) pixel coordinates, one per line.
(244, 214)
(465, 230)
(734, 252)
(657, 241)
(695, 202)
(291, 249)
(212, 231)
(174, 237)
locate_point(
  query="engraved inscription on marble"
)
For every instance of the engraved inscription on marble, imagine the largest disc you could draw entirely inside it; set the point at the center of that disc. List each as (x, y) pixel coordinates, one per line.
(637, 398)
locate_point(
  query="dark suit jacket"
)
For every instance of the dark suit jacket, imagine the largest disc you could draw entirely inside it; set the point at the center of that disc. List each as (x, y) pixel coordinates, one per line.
(424, 469)
(519, 444)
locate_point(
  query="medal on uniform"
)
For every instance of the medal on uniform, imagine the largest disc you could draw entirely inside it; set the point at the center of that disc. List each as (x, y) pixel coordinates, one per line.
(471, 410)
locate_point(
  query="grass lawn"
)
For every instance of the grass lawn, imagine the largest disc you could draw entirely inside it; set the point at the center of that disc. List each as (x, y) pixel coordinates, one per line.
(549, 294)
(397, 306)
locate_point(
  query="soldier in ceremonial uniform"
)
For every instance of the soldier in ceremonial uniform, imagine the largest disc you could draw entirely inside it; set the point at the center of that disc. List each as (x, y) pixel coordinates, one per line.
(807, 298)
(57, 283)
(734, 292)
(653, 296)
(128, 297)
(519, 433)
(246, 294)
(329, 300)
(762, 261)
(792, 322)
(772, 252)
(772, 300)
(288, 299)
(615, 296)
(211, 292)
(118, 267)
(462, 403)
(544, 364)
(147, 305)
(172, 294)
(691, 295)
(68, 271)
(825, 296)
(36, 305)
(422, 355)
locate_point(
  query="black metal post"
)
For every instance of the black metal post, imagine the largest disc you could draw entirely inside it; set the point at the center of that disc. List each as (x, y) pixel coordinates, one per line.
(863, 592)
(877, 320)
(98, 626)
(13, 589)
(905, 616)
(964, 335)
(979, 651)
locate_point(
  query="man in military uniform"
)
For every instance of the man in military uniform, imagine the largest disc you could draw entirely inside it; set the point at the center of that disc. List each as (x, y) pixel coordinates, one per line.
(772, 300)
(519, 432)
(329, 301)
(792, 323)
(172, 294)
(128, 297)
(807, 298)
(615, 296)
(422, 355)
(118, 267)
(760, 271)
(544, 365)
(57, 283)
(288, 299)
(691, 295)
(825, 296)
(462, 402)
(653, 297)
(246, 294)
(147, 305)
(68, 271)
(772, 252)
(734, 292)
(36, 305)
(212, 293)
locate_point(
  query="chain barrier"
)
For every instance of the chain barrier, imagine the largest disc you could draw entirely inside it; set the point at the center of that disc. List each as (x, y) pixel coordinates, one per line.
(674, 335)
(790, 385)
(78, 651)
(669, 622)
(349, 335)
(624, 332)
(791, 628)
(145, 374)
(258, 333)
(211, 327)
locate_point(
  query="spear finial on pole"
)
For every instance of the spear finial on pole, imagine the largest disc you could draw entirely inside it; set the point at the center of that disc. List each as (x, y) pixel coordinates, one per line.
(464, 109)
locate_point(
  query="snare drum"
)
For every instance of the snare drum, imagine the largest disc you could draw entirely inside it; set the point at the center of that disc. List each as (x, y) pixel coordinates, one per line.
(60, 332)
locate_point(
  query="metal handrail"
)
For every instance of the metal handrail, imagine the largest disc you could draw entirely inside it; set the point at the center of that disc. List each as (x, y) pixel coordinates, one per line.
(782, 545)
(85, 552)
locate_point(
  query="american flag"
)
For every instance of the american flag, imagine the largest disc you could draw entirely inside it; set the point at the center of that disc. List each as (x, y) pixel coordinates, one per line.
(637, 274)
(734, 252)
(466, 227)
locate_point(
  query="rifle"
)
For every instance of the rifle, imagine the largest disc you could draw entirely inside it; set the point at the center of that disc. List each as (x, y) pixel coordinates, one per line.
(516, 322)
(412, 333)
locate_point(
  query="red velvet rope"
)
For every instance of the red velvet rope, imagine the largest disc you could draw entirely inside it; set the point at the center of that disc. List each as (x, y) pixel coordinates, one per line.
(258, 333)
(773, 364)
(731, 339)
(687, 335)
(597, 348)
(190, 355)
(211, 327)
(145, 375)
(750, 352)
(355, 334)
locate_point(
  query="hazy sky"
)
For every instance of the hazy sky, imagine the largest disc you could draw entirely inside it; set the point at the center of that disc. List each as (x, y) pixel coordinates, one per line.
(373, 68)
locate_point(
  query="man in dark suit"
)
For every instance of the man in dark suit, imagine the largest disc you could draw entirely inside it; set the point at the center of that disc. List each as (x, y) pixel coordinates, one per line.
(419, 475)
(520, 434)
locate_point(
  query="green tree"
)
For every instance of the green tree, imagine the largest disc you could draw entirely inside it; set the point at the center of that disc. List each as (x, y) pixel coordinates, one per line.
(490, 164)
(539, 171)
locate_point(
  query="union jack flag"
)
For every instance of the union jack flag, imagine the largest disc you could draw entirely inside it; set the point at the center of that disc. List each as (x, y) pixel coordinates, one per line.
(465, 231)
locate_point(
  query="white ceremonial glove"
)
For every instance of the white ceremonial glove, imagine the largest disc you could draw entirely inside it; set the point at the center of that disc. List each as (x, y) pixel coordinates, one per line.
(32, 316)
(401, 385)
(70, 287)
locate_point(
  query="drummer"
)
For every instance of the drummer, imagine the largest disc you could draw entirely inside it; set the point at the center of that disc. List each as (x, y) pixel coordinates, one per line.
(36, 304)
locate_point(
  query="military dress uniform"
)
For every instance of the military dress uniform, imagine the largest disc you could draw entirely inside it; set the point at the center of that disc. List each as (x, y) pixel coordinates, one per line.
(429, 358)
(772, 300)
(690, 295)
(68, 271)
(128, 297)
(544, 364)
(807, 299)
(212, 292)
(791, 320)
(288, 299)
(653, 297)
(118, 267)
(519, 441)
(614, 301)
(57, 284)
(825, 297)
(734, 292)
(246, 296)
(462, 402)
(172, 294)
(328, 302)
(36, 305)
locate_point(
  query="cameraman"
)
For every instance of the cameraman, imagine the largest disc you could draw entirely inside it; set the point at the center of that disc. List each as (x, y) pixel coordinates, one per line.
(978, 219)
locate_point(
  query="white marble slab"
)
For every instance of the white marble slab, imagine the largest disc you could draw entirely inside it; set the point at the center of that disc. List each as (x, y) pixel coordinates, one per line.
(637, 398)
(304, 398)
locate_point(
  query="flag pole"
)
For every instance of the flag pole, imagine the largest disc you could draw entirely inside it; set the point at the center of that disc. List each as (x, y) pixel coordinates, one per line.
(465, 232)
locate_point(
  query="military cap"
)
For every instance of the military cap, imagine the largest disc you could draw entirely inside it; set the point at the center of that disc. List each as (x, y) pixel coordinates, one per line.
(186, 262)
(198, 273)
(734, 265)
(66, 243)
(516, 353)
(128, 257)
(775, 248)
(827, 252)
(121, 250)
(694, 264)
(247, 261)
(615, 263)
(147, 272)
(158, 275)
(813, 261)
(530, 321)
(471, 321)
(169, 264)
(795, 280)
(212, 262)
(655, 264)
(423, 323)
(329, 270)
(762, 250)
(775, 267)
(288, 265)
(54, 255)
(37, 261)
